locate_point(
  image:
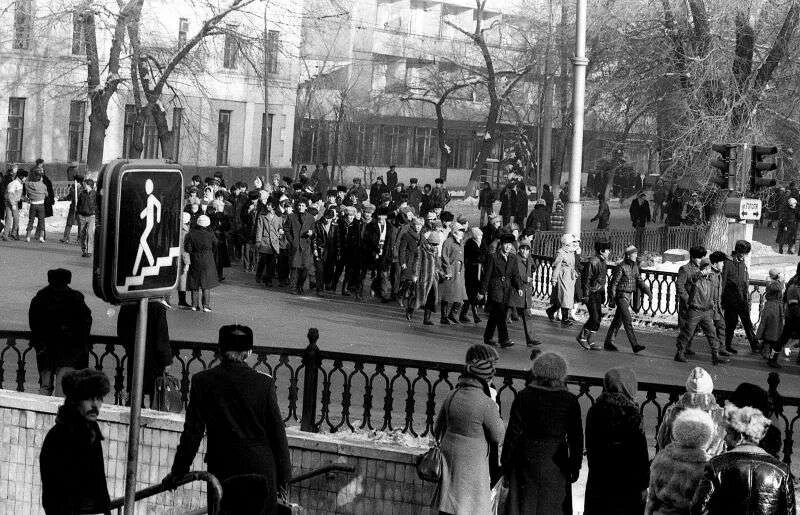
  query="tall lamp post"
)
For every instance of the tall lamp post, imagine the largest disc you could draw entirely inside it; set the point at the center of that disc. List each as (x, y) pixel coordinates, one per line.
(579, 63)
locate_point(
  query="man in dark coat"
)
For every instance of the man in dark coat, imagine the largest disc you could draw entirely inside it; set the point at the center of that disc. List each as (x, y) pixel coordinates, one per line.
(547, 196)
(414, 195)
(593, 288)
(500, 281)
(521, 203)
(377, 244)
(508, 200)
(348, 249)
(60, 323)
(736, 296)
(302, 233)
(377, 190)
(157, 350)
(640, 211)
(485, 202)
(237, 407)
(626, 283)
(538, 220)
(440, 197)
(71, 463)
(72, 197)
(324, 249)
(391, 177)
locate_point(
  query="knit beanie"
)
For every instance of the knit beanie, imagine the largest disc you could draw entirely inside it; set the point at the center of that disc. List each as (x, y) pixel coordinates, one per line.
(549, 365)
(692, 428)
(699, 381)
(480, 361)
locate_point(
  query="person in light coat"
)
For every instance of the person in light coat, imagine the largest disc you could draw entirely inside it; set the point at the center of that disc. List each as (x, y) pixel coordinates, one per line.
(564, 277)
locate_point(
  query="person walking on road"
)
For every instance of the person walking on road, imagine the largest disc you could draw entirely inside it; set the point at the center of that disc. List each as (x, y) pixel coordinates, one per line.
(593, 287)
(71, 462)
(452, 290)
(736, 296)
(640, 211)
(72, 197)
(85, 213)
(624, 291)
(500, 281)
(36, 193)
(427, 269)
(237, 408)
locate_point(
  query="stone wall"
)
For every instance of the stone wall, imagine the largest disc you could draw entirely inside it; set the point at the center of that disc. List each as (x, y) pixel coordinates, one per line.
(384, 482)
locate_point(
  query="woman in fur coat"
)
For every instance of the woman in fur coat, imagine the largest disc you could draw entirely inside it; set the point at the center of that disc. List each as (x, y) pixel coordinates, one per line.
(427, 269)
(677, 469)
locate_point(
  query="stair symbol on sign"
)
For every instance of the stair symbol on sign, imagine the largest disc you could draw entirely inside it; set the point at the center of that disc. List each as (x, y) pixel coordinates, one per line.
(148, 271)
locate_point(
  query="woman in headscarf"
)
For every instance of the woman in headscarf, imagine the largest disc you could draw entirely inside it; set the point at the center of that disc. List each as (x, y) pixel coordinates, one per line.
(220, 225)
(473, 263)
(202, 276)
(467, 427)
(452, 290)
(616, 449)
(543, 447)
(407, 248)
(565, 275)
(427, 269)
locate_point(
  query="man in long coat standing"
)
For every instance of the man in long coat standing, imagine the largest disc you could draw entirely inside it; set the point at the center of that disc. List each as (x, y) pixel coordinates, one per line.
(500, 281)
(237, 407)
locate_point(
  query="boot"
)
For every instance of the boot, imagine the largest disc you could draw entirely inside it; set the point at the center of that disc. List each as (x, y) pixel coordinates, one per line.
(716, 359)
(455, 308)
(462, 317)
(679, 357)
(565, 321)
(723, 353)
(426, 317)
(592, 345)
(182, 300)
(475, 317)
(551, 313)
(773, 360)
(409, 314)
(730, 349)
(583, 339)
(443, 316)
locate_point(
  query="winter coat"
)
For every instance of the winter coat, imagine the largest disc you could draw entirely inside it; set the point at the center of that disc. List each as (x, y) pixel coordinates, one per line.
(787, 225)
(619, 463)
(452, 289)
(199, 243)
(391, 179)
(525, 273)
(705, 402)
(467, 425)
(237, 407)
(51, 196)
(693, 289)
(770, 325)
(301, 224)
(87, 203)
(744, 481)
(427, 270)
(268, 237)
(557, 218)
(501, 278)
(373, 253)
(36, 191)
(60, 323)
(508, 200)
(486, 198)
(542, 451)
(473, 259)
(565, 276)
(674, 475)
(626, 280)
(549, 199)
(407, 248)
(594, 277)
(220, 225)
(538, 220)
(521, 203)
(414, 198)
(324, 243)
(72, 466)
(640, 213)
(376, 191)
(735, 284)
(158, 352)
(348, 242)
(440, 197)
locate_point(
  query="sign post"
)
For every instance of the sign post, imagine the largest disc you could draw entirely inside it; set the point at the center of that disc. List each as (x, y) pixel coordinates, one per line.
(137, 257)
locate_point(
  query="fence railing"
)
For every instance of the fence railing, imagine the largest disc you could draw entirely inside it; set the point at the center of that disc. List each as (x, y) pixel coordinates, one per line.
(651, 239)
(348, 391)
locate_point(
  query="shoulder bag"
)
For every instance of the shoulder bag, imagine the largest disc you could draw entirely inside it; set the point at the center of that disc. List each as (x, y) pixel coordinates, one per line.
(430, 465)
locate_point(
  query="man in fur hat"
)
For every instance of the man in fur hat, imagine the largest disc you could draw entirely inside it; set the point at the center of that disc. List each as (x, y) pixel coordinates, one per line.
(500, 281)
(71, 462)
(237, 407)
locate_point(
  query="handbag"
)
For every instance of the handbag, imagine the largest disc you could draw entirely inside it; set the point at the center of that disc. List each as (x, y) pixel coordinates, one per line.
(167, 394)
(430, 465)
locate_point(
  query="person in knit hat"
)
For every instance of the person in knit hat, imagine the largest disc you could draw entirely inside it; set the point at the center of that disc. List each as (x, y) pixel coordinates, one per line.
(699, 394)
(468, 428)
(678, 468)
(770, 325)
(543, 448)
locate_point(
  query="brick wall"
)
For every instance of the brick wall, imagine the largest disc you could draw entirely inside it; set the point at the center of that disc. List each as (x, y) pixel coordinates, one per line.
(385, 481)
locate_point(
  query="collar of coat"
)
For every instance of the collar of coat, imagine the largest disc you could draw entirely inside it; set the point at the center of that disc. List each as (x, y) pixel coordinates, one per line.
(77, 426)
(676, 452)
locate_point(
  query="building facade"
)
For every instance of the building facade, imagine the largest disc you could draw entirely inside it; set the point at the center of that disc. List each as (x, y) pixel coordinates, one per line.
(214, 100)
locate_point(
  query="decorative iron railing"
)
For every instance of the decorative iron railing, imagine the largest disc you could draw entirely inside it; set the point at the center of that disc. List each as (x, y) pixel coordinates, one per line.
(340, 391)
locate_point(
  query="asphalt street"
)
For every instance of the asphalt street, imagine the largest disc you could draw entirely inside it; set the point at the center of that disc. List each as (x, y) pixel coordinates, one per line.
(279, 318)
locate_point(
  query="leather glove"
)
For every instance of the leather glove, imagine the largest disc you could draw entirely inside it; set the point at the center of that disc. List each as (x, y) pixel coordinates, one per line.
(170, 481)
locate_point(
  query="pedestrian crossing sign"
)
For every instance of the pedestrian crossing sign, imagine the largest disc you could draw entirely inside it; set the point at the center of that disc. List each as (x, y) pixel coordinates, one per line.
(139, 229)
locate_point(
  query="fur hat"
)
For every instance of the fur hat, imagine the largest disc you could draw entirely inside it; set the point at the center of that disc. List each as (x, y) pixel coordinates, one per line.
(235, 338)
(368, 208)
(203, 221)
(630, 250)
(507, 238)
(742, 247)
(525, 242)
(549, 365)
(59, 277)
(80, 385)
(693, 428)
(748, 422)
(699, 381)
(341, 188)
(697, 252)
(382, 211)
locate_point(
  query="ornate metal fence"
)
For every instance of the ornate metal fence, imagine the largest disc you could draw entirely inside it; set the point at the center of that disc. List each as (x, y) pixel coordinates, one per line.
(338, 391)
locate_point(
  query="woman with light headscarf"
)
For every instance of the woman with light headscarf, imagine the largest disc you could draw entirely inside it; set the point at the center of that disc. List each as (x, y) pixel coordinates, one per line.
(474, 260)
(565, 276)
(427, 270)
(202, 276)
(616, 449)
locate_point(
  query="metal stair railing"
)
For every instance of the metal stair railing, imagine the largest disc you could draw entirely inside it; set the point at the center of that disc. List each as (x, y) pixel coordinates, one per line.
(214, 491)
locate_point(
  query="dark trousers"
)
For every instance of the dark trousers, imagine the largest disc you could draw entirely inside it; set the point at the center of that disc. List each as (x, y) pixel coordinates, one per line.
(265, 271)
(622, 317)
(333, 280)
(719, 326)
(497, 320)
(732, 317)
(594, 305)
(284, 266)
(36, 212)
(692, 319)
(791, 325)
(383, 280)
(527, 324)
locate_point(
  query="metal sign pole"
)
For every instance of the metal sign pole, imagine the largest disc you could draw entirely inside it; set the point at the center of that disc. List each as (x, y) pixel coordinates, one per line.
(136, 407)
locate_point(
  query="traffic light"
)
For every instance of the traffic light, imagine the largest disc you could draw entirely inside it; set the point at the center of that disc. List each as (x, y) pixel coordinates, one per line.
(724, 163)
(758, 167)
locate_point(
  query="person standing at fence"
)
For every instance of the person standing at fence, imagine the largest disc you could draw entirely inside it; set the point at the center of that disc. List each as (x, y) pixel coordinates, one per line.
(202, 276)
(593, 287)
(626, 282)
(508, 199)
(238, 409)
(500, 281)
(787, 226)
(71, 462)
(60, 323)
(564, 278)
(736, 296)
(640, 211)
(538, 219)
(85, 213)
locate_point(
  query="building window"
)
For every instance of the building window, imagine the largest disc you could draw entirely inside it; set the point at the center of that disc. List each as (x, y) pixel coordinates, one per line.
(273, 45)
(77, 116)
(127, 132)
(395, 146)
(177, 125)
(16, 122)
(223, 137)
(23, 23)
(150, 143)
(183, 30)
(266, 140)
(78, 34)
(425, 148)
(231, 48)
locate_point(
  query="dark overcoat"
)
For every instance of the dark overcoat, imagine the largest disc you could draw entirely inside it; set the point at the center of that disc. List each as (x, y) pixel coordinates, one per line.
(473, 259)
(501, 278)
(525, 271)
(237, 408)
(199, 243)
(60, 323)
(407, 248)
(427, 270)
(301, 241)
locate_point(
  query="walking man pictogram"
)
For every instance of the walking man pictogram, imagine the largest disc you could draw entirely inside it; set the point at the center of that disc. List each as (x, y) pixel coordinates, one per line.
(153, 204)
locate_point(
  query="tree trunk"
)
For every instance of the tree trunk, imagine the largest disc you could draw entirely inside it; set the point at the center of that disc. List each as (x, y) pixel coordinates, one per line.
(444, 151)
(717, 235)
(166, 137)
(548, 172)
(485, 149)
(98, 123)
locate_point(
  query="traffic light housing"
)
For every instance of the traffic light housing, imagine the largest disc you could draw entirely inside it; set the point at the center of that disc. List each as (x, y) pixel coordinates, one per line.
(758, 167)
(725, 164)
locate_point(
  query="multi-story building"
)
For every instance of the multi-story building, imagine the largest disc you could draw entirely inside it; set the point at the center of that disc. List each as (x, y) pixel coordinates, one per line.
(214, 100)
